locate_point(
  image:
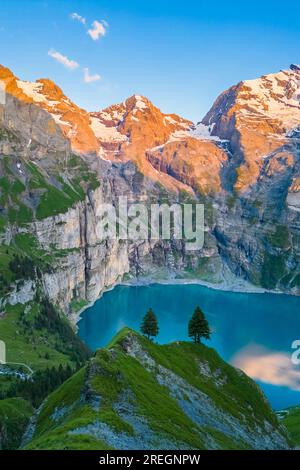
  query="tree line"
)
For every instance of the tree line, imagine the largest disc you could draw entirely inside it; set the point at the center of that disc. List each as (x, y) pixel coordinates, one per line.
(40, 385)
(69, 343)
(198, 326)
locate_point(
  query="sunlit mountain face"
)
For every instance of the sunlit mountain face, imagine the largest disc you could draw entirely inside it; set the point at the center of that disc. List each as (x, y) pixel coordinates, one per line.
(133, 109)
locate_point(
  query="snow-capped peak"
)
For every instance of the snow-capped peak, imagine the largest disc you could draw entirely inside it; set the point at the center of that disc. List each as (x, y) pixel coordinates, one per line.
(136, 103)
(34, 90)
(277, 96)
(140, 102)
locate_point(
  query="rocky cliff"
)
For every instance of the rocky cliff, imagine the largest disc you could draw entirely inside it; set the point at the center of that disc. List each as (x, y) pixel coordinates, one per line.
(260, 120)
(138, 395)
(58, 164)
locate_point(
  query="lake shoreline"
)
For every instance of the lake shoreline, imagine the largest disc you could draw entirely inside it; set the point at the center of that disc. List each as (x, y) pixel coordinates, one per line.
(232, 285)
(247, 326)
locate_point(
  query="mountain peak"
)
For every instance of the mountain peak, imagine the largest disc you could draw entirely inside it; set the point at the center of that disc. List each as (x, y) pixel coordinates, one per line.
(295, 67)
(5, 73)
(257, 116)
(137, 103)
(50, 86)
(140, 98)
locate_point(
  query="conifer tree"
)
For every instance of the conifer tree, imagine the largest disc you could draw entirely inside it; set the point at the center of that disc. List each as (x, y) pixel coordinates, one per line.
(198, 326)
(149, 326)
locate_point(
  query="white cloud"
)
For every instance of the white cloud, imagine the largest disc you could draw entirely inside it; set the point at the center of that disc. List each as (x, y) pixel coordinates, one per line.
(62, 59)
(77, 17)
(90, 78)
(267, 366)
(98, 30)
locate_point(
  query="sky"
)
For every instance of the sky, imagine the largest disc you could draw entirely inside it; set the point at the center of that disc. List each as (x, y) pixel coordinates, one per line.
(179, 54)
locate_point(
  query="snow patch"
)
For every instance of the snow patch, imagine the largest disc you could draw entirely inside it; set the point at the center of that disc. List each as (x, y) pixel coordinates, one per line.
(58, 119)
(203, 132)
(276, 96)
(113, 115)
(105, 133)
(140, 104)
(179, 122)
(169, 120)
(34, 91)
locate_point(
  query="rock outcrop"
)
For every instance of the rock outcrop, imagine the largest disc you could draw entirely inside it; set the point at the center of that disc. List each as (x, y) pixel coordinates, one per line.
(137, 395)
(59, 163)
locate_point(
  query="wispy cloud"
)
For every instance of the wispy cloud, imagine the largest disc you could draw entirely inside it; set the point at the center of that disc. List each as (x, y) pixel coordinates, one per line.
(64, 60)
(88, 78)
(98, 30)
(267, 366)
(77, 17)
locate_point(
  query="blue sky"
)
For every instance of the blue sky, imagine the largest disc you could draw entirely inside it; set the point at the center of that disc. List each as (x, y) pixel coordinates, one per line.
(180, 54)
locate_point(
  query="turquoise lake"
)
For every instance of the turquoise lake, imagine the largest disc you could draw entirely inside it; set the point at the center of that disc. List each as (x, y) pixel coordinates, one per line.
(254, 332)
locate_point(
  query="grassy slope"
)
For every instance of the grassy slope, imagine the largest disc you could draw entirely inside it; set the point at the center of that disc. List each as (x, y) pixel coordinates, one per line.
(42, 349)
(29, 192)
(36, 193)
(291, 419)
(112, 371)
(38, 348)
(14, 416)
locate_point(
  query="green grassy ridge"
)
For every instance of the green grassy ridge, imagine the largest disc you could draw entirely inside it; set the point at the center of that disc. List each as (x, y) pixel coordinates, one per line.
(47, 344)
(27, 244)
(290, 418)
(112, 371)
(14, 417)
(49, 433)
(38, 347)
(180, 358)
(53, 435)
(67, 191)
(45, 347)
(57, 189)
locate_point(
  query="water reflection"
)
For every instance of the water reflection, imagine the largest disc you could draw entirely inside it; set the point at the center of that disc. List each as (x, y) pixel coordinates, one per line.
(270, 367)
(253, 331)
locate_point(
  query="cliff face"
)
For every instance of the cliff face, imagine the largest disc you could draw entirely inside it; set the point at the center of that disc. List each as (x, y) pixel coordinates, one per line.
(58, 164)
(90, 265)
(53, 219)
